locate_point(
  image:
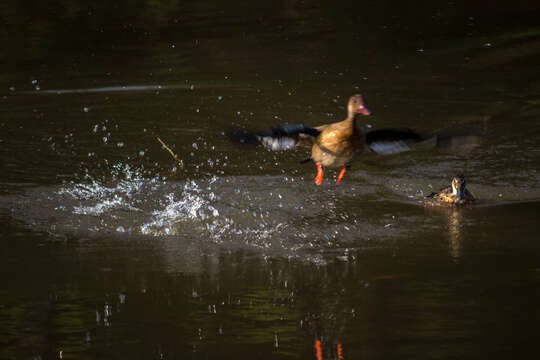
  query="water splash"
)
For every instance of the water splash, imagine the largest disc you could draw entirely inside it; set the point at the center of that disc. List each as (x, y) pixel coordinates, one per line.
(97, 197)
(273, 215)
(191, 204)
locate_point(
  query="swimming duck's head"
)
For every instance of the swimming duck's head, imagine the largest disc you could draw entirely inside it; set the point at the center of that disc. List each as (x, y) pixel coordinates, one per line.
(458, 187)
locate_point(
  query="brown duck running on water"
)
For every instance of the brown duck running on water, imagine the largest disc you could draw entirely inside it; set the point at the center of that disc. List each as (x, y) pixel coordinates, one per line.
(339, 143)
(455, 194)
(334, 145)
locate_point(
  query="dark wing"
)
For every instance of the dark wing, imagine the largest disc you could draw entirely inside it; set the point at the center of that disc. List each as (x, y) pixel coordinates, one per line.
(390, 141)
(469, 196)
(283, 137)
(242, 136)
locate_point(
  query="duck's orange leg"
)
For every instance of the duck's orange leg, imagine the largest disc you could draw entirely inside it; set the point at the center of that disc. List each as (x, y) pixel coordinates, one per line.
(341, 174)
(320, 174)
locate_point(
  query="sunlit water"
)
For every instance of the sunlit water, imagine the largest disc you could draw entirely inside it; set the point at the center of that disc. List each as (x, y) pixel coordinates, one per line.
(274, 213)
(279, 214)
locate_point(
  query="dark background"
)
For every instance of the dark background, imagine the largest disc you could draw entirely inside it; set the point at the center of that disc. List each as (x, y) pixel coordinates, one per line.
(109, 249)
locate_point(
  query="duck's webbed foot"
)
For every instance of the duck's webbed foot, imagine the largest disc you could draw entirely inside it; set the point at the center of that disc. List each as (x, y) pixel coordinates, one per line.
(320, 174)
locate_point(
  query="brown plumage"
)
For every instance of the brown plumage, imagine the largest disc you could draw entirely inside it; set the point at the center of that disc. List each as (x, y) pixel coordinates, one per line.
(455, 194)
(339, 143)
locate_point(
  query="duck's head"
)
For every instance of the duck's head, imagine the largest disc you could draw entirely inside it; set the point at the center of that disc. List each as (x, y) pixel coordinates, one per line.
(458, 187)
(356, 106)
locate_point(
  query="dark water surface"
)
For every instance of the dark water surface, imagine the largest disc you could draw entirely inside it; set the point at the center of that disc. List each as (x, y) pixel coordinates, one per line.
(110, 249)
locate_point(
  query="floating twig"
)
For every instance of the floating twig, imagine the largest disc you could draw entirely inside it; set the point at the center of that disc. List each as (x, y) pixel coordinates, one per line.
(171, 152)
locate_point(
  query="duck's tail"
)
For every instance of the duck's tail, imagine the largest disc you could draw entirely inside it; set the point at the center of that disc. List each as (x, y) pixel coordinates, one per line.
(283, 137)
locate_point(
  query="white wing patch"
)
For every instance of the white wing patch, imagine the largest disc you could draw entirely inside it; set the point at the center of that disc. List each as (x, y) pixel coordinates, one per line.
(277, 143)
(389, 147)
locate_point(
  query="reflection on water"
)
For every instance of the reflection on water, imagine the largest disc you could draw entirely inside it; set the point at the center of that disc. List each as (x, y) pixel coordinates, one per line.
(455, 219)
(454, 228)
(170, 300)
(133, 88)
(331, 354)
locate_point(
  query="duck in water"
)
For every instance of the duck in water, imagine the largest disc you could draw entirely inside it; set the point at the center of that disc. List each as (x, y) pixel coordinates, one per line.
(455, 194)
(334, 145)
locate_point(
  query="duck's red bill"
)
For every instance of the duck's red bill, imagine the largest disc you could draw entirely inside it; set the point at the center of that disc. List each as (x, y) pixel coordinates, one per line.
(364, 111)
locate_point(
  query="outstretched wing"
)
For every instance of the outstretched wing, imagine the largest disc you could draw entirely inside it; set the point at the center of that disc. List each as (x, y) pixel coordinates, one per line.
(283, 137)
(286, 137)
(390, 141)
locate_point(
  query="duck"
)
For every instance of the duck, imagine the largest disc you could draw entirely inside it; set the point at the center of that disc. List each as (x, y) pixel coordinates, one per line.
(455, 194)
(334, 145)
